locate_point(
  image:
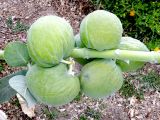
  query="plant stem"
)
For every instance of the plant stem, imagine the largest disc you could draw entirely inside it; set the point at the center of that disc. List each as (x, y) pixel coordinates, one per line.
(66, 62)
(71, 66)
(153, 57)
(1, 55)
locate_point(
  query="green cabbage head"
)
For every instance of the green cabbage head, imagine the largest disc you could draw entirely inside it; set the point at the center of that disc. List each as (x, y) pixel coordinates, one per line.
(50, 39)
(101, 78)
(101, 30)
(52, 86)
(129, 43)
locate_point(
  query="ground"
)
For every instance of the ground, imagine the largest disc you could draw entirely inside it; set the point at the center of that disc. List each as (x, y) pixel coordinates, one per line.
(115, 107)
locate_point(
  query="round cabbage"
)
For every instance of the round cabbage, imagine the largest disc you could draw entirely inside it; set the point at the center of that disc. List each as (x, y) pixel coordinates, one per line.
(50, 39)
(101, 30)
(129, 43)
(100, 78)
(52, 86)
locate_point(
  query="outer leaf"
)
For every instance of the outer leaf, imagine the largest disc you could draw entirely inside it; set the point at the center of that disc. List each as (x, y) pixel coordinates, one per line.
(18, 83)
(16, 54)
(49, 40)
(30, 112)
(6, 92)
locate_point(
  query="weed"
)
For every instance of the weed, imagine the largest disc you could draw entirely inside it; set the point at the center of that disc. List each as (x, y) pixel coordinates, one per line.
(152, 80)
(153, 44)
(17, 26)
(51, 114)
(129, 90)
(92, 113)
(15, 102)
(20, 27)
(9, 22)
(83, 117)
(1, 67)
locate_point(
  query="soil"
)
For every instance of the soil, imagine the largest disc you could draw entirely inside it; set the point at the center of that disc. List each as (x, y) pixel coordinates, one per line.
(115, 107)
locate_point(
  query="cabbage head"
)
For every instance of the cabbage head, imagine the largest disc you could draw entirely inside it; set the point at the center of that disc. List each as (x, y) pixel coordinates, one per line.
(129, 43)
(50, 39)
(101, 30)
(101, 78)
(52, 86)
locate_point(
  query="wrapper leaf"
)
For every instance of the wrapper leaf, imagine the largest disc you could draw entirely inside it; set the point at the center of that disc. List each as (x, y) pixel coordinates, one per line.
(52, 86)
(101, 30)
(50, 39)
(101, 78)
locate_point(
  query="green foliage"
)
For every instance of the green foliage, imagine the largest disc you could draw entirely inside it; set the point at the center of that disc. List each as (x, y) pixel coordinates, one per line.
(153, 44)
(90, 112)
(83, 117)
(6, 92)
(51, 114)
(1, 67)
(152, 80)
(20, 27)
(16, 54)
(128, 90)
(9, 22)
(140, 19)
(17, 26)
(15, 101)
(18, 83)
(149, 80)
(93, 113)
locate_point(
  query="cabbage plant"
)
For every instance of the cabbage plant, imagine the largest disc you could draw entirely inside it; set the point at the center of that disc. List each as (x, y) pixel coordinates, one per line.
(50, 40)
(100, 78)
(128, 43)
(101, 30)
(47, 76)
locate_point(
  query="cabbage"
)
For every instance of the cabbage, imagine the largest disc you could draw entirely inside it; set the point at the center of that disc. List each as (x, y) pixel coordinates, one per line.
(52, 86)
(100, 78)
(78, 42)
(50, 39)
(101, 30)
(128, 43)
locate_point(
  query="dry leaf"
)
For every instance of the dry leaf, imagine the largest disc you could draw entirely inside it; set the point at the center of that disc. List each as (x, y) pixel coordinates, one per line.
(133, 100)
(131, 112)
(28, 111)
(139, 117)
